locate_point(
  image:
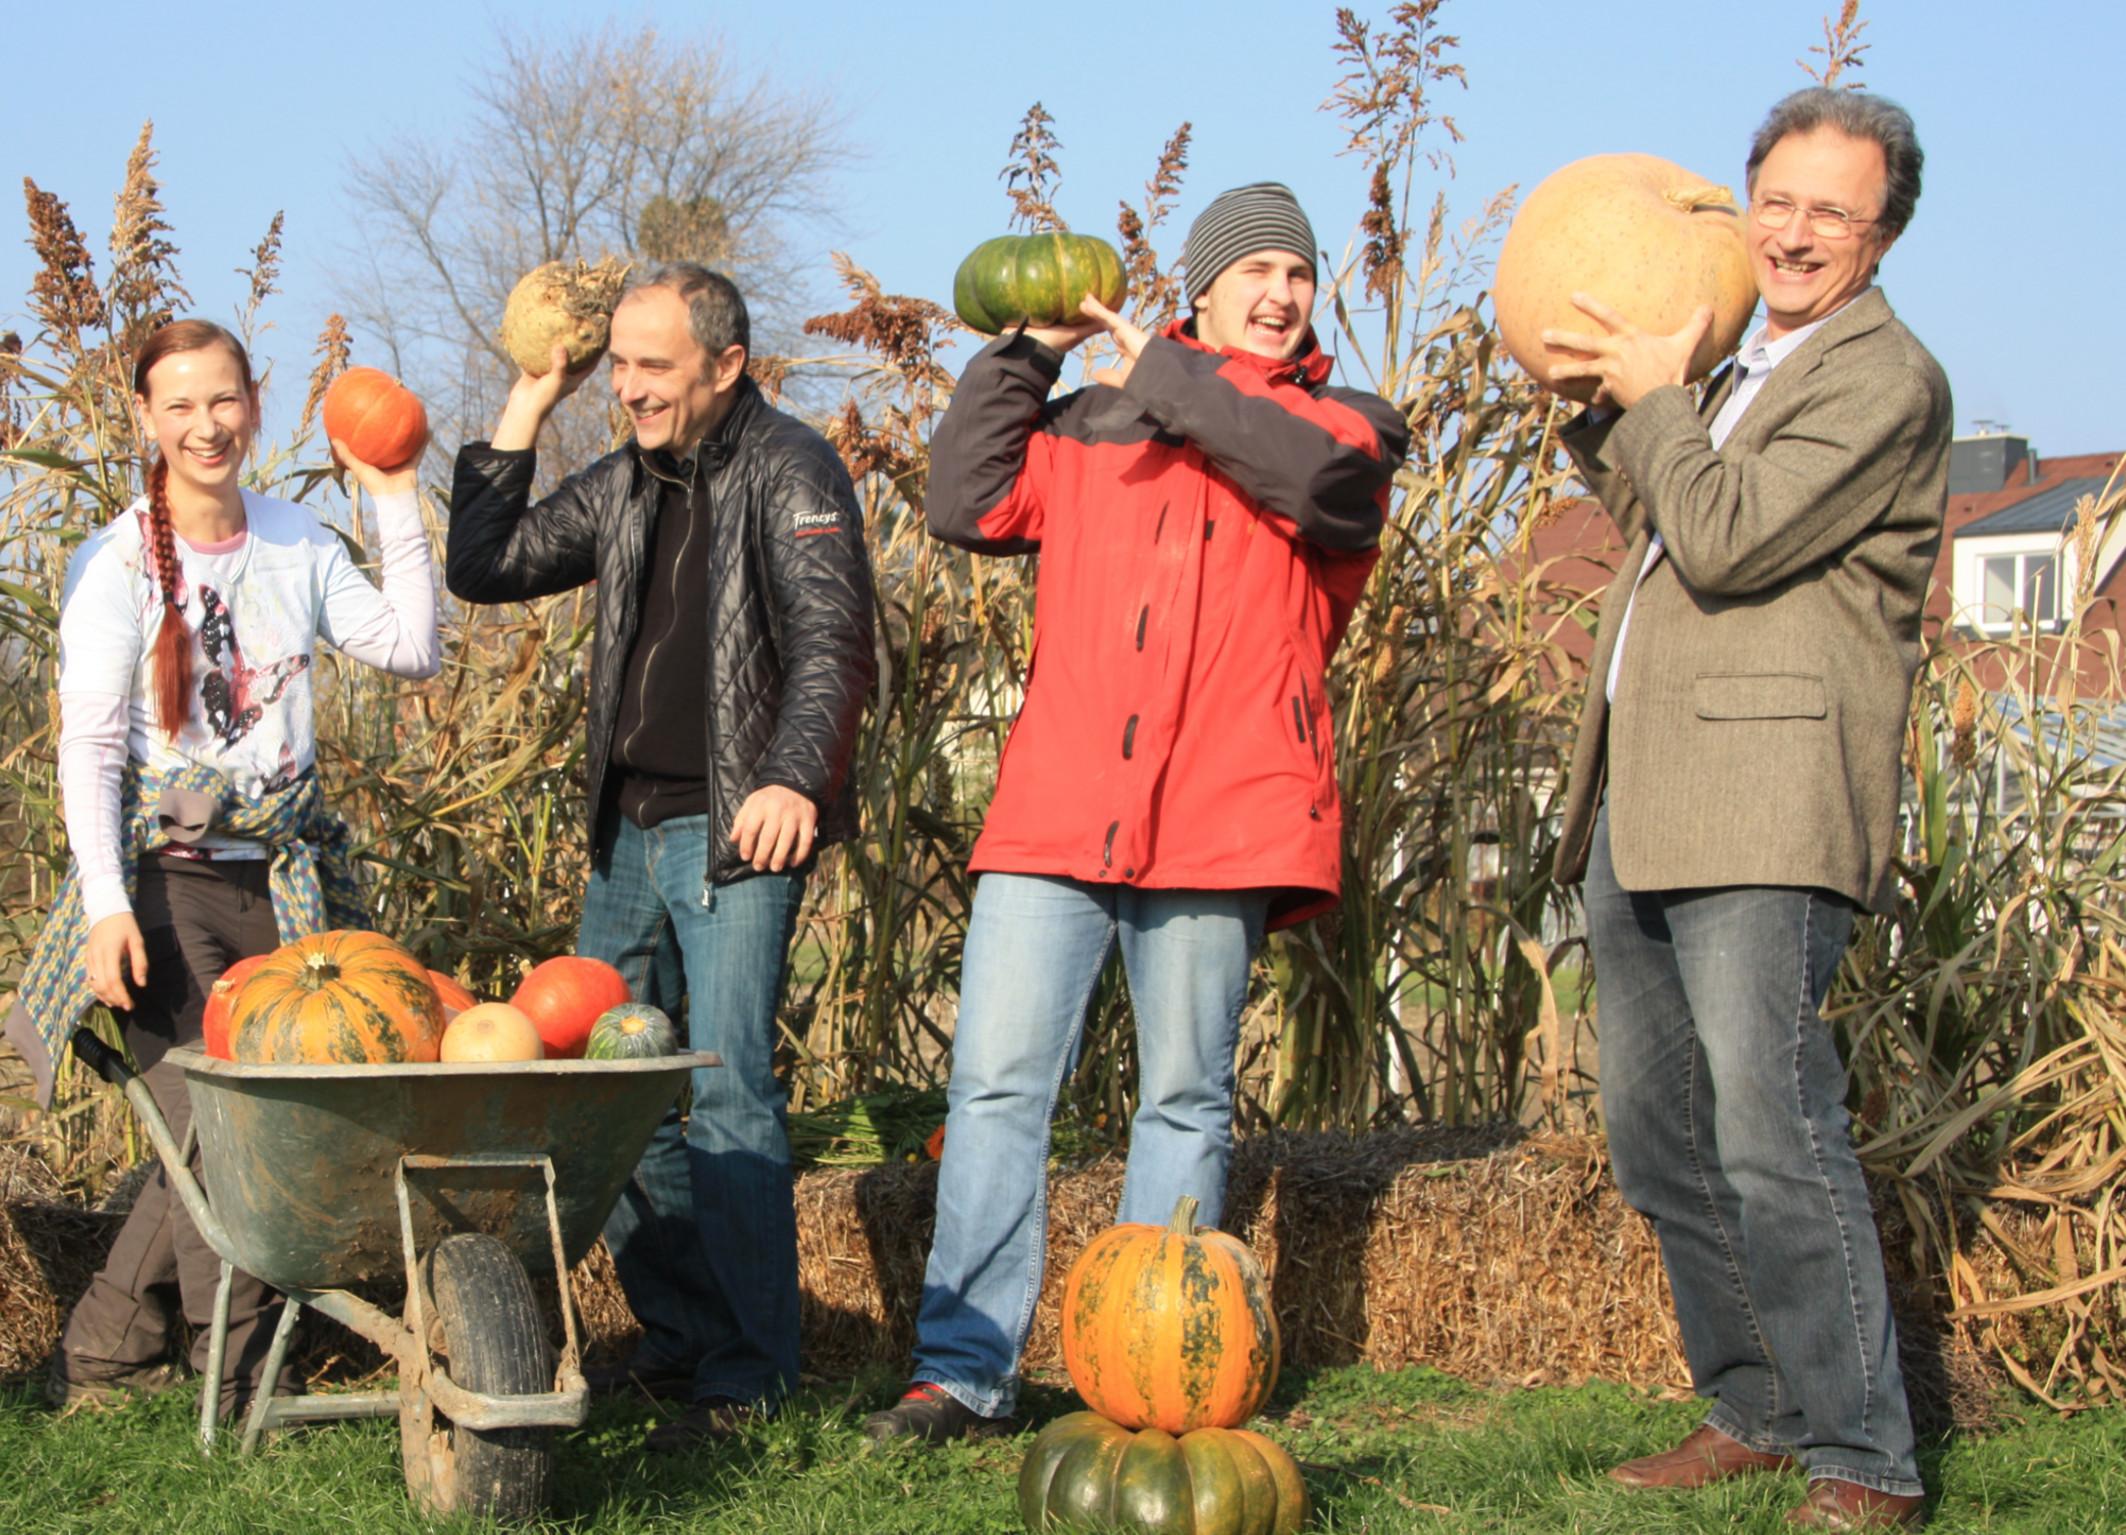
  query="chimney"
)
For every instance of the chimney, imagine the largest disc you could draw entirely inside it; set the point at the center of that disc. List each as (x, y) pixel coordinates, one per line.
(1981, 465)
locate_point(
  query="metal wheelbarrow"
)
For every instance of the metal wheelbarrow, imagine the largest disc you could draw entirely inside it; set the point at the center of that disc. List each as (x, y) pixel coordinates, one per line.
(470, 1181)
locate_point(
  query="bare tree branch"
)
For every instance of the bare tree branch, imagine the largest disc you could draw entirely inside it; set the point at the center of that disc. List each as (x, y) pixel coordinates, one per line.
(609, 143)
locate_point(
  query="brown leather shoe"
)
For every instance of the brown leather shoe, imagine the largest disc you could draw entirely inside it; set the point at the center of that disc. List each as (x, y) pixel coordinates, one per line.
(1838, 1505)
(707, 1423)
(74, 1383)
(1705, 1457)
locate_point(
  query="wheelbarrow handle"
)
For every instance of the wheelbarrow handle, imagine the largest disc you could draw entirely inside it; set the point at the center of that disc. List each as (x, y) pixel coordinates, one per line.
(100, 1058)
(110, 1065)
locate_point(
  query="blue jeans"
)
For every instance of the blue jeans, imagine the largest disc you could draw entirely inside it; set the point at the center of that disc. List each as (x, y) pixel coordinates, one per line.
(704, 1237)
(1035, 948)
(1725, 1103)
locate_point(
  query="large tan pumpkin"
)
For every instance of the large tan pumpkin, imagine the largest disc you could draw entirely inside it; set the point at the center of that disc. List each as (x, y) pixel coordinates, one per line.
(1641, 234)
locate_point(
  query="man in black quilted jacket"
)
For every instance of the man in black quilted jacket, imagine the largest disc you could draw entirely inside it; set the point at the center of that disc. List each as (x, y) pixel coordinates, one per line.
(733, 655)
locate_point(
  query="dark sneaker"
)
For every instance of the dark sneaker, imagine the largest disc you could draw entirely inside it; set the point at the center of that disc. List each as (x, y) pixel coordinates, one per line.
(708, 1422)
(667, 1383)
(929, 1414)
(77, 1383)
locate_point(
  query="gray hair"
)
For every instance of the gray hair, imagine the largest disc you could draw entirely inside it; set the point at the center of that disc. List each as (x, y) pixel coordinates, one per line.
(716, 310)
(1857, 115)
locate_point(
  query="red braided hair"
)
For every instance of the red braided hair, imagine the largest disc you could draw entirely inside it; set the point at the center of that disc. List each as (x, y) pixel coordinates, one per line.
(173, 642)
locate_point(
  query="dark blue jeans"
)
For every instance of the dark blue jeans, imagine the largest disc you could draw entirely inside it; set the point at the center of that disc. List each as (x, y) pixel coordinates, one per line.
(705, 1235)
(1724, 1098)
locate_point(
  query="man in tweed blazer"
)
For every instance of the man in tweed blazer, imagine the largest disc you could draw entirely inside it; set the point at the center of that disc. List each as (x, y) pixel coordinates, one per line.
(1734, 792)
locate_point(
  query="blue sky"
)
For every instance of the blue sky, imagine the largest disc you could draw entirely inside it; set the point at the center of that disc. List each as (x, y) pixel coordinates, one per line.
(2006, 271)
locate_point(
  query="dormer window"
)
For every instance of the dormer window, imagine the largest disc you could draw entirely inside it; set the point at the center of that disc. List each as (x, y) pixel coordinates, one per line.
(2027, 583)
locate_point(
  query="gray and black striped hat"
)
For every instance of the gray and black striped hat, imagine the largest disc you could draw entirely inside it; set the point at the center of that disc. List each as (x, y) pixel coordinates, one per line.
(1262, 216)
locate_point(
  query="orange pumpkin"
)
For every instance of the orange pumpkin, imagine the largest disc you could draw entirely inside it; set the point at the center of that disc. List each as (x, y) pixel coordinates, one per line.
(1638, 233)
(565, 996)
(214, 1027)
(1170, 1327)
(454, 997)
(380, 419)
(491, 1031)
(350, 997)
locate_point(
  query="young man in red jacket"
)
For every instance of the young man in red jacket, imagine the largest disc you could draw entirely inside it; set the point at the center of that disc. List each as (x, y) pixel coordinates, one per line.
(1207, 513)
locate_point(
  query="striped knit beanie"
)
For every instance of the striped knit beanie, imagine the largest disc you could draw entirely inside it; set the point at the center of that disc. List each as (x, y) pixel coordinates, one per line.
(1260, 217)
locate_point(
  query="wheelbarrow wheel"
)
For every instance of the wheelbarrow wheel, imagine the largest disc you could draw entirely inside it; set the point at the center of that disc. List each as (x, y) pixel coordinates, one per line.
(486, 1326)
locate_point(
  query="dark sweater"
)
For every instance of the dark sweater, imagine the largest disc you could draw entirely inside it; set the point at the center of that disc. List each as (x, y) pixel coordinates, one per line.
(660, 739)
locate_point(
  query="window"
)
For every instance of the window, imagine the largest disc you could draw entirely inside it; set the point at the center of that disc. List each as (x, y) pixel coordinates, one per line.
(2020, 583)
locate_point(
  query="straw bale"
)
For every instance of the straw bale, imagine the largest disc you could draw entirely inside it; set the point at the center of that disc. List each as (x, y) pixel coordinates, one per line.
(50, 1246)
(1488, 1254)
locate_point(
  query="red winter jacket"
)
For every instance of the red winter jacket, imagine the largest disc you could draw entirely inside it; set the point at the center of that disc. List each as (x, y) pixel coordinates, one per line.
(1204, 532)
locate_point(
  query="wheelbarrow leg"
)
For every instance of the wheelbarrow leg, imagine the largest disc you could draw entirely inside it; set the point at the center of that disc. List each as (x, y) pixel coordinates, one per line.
(217, 1351)
(255, 1423)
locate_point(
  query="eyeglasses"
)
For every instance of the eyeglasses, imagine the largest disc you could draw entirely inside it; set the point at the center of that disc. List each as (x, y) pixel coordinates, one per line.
(1828, 223)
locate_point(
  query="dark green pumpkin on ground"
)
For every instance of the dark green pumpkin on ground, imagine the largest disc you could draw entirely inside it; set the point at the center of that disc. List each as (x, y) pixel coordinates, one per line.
(1038, 278)
(1086, 1473)
(631, 1031)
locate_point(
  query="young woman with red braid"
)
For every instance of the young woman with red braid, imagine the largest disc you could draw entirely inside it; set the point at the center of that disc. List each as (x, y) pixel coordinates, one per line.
(186, 762)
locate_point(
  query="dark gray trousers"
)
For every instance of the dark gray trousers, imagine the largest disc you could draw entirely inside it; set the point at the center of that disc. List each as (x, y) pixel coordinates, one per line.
(196, 919)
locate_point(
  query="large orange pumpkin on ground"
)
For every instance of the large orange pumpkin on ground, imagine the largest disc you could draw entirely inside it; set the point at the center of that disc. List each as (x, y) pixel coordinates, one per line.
(565, 996)
(1170, 1327)
(344, 996)
(491, 1031)
(380, 419)
(1639, 233)
(214, 1027)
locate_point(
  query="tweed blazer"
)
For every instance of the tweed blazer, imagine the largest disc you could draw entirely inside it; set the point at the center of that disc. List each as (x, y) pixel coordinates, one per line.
(1757, 733)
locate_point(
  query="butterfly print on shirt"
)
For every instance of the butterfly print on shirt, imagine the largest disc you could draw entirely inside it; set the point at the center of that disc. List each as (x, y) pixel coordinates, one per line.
(236, 695)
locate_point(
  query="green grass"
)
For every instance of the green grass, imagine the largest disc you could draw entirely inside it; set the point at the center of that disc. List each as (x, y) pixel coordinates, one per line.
(1408, 1451)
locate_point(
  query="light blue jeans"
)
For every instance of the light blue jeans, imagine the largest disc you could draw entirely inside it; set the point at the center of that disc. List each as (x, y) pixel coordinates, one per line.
(704, 1237)
(1724, 1099)
(1035, 948)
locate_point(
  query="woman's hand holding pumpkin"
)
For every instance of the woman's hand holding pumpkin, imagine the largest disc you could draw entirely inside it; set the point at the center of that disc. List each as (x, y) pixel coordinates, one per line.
(381, 482)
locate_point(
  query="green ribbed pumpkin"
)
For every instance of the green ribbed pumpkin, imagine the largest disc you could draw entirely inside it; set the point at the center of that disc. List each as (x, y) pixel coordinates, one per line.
(1038, 278)
(632, 1031)
(1086, 1473)
(1170, 1327)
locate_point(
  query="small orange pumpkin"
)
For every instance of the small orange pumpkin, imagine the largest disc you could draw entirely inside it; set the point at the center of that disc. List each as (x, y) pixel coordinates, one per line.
(1170, 1327)
(380, 419)
(565, 996)
(214, 1026)
(345, 996)
(454, 997)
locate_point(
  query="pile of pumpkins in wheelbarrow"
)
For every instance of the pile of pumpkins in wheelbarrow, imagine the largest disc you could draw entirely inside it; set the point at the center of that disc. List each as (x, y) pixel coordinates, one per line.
(358, 998)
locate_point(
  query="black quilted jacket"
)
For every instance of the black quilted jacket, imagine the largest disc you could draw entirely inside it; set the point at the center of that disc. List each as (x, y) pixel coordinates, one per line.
(790, 603)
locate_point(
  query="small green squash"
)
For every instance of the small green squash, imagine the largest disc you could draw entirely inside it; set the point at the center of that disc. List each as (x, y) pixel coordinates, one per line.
(631, 1031)
(1086, 1473)
(1038, 278)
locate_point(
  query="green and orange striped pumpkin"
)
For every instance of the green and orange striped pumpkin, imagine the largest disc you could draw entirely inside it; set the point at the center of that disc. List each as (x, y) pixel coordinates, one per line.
(1170, 1327)
(1085, 1473)
(347, 997)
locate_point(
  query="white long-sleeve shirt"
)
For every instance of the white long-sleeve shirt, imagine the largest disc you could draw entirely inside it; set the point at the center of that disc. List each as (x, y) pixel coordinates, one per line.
(256, 606)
